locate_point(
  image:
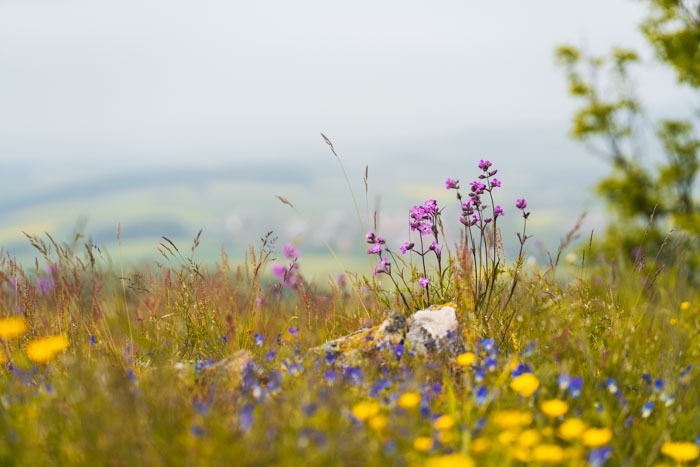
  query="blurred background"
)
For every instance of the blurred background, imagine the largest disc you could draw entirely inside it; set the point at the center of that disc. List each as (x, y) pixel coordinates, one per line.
(162, 118)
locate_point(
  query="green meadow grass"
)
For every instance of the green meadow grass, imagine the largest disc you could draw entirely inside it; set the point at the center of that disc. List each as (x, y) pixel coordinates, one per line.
(588, 362)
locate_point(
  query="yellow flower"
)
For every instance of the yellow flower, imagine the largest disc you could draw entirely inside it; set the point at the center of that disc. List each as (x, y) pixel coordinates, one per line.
(596, 437)
(423, 443)
(408, 400)
(510, 419)
(466, 359)
(444, 422)
(554, 408)
(571, 429)
(680, 451)
(548, 454)
(456, 459)
(378, 422)
(685, 306)
(528, 438)
(365, 410)
(12, 327)
(525, 384)
(673, 321)
(45, 348)
(479, 446)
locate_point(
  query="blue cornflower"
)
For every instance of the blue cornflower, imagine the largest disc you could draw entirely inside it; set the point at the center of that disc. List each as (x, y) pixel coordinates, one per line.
(598, 456)
(258, 339)
(575, 386)
(646, 377)
(658, 385)
(93, 340)
(611, 385)
(520, 369)
(480, 395)
(647, 409)
(353, 374)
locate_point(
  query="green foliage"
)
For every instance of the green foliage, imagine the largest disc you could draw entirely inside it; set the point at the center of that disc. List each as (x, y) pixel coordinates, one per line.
(608, 124)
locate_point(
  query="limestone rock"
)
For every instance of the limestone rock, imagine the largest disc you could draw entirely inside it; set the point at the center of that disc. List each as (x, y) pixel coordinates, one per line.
(432, 330)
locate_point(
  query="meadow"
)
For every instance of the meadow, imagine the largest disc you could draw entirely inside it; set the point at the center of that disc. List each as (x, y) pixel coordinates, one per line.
(589, 360)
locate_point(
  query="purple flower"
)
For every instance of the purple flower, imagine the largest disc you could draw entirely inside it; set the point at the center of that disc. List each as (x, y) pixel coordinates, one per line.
(430, 206)
(451, 184)
(258, 339)
(480, 395)
(477, 188)
(423, 282)
(370, 238)
(598, 456)
(375, 250)
(290, 251)
(279, 270)
(520, 204)
(383, 267)
(498, 211)
(484, 165)
(293, 332)
(406, 246)
(495, 183)
(435, 247)
(575, 386)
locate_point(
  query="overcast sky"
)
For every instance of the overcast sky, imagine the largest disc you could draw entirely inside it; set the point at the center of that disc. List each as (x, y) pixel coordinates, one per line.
(184, 82)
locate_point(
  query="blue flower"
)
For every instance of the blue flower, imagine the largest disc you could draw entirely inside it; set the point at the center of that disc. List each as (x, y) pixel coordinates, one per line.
(575, 386)
(611, 385)
(245, 417)
(480, 395)
(647, 409)
(598, 456)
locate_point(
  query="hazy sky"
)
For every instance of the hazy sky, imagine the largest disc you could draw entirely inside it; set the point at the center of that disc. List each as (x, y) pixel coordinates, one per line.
(159, 82)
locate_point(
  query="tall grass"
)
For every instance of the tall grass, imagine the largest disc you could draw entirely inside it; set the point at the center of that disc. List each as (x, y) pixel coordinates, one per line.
(590, 361)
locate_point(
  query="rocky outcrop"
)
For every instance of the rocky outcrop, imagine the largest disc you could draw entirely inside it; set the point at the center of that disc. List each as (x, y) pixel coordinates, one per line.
(429, 331)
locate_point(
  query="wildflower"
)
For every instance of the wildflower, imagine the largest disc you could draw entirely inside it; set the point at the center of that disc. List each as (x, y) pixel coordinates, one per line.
(685, 306)
(525, 384)
(409, 400)
(375, 250)
(378, 422)
(444, 422)
(44, 349)
(365, 410)
(451, 184)
(423, 282)
(510, 419)
(658, 385)
(456, 459)
(528, 438)
(647, 409)
(384, 267)
(575, 386)
(12, 327)
(406, 247)
(290, 251)
(520, 368)
(554, 408)
(466, 359)
(680, 451)
(293, 332)
(596, 437)
(258, 339)
(423, 443)
(498, 211)
(435, 247)
(548, 454)
(520, 204)
(480, 395)
(484, 165)
(245, 417)
(489, 345)
(611, 385)
(479, 446)
(571, 429)
(598, 456)
(495, 183)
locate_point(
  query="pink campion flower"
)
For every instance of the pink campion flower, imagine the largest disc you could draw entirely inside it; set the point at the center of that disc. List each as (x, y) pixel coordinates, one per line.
(498, 211)
(423, 282)
(290, 251)
(477, 187)
(406, 246)
(430, 206)
(484, 165)
(435, 247)
(370, 237)
(520, 204)
(384, 267)
(279, 270)
(451, 184)
(375, 250)
(495, 183)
